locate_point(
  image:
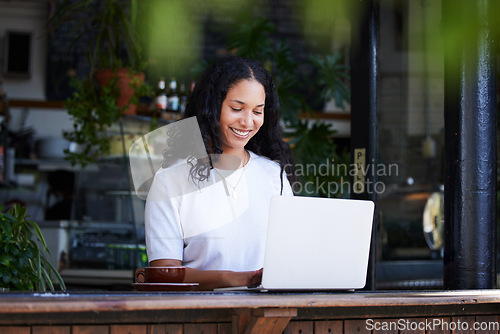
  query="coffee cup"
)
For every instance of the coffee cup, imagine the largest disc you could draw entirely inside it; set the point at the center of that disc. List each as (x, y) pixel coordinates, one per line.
(160, 274)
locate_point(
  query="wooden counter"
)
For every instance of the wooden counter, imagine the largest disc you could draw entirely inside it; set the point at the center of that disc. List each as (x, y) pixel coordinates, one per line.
(245, 312)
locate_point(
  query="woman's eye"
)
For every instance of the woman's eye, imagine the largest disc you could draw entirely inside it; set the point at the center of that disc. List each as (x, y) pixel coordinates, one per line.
(236, 109)
(258, 112)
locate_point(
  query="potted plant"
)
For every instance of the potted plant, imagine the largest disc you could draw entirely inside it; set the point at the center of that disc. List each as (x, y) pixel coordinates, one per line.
(23, 262)
(116, 78)
(332, 75)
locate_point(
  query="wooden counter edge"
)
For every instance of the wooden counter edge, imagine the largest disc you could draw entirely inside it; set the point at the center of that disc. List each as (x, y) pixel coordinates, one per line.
(45, 303)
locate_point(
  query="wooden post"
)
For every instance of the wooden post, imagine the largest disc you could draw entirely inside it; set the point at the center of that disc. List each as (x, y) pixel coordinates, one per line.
(471, 144)
(364, 124)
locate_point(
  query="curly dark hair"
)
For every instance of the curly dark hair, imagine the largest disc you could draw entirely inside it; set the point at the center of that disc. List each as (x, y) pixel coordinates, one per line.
(206, 100)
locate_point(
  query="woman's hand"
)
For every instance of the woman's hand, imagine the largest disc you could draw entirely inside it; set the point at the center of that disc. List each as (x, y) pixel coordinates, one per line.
(212, 279)
(243, 278)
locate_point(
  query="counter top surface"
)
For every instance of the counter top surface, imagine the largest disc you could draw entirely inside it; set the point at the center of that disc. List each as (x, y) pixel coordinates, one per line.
(98, 301)
(237, 312)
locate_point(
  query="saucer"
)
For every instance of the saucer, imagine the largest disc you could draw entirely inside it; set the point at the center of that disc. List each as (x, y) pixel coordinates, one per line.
(165, 286)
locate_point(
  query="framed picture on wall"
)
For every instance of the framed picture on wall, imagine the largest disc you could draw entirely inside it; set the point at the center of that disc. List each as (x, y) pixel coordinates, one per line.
(18, 54)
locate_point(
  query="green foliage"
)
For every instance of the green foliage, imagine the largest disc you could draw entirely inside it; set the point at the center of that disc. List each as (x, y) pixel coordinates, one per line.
(310, 139)
(332, 77)
(93, 110)
(113, 42)
(23, 262)
(108, 25)
(320, 169)
(251, 39)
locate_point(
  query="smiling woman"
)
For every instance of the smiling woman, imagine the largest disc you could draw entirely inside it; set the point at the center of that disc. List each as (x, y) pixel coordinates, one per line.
(218, 232)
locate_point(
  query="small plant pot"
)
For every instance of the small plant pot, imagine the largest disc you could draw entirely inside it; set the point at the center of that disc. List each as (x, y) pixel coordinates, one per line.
(125, 86)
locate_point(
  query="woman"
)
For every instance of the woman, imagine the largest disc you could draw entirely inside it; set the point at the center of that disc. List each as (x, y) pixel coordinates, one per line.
(218, 232)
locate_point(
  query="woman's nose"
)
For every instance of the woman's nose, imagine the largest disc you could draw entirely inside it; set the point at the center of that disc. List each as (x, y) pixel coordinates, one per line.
(246, 118)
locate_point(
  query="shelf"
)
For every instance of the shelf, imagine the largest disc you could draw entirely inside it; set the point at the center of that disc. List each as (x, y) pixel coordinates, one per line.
(36, 104)
(54, 164)
(125, 193)
(144, 115)
(101, 225)
(339, 116)
(97, 276)
(143, 110)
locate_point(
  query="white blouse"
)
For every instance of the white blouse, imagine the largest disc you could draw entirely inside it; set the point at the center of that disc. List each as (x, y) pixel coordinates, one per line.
(203, 225)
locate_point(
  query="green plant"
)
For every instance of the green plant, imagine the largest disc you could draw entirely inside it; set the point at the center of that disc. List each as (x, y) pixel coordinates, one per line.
(320, 169)
(332, 76)
(93, 112)
(311, 139)
(109, 28)
(112, 43)
(23, 262)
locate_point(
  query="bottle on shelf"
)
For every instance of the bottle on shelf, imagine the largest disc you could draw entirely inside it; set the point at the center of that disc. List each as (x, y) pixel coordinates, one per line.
(191, 85)
(160, 101)
(4, 105)
(183, 98)
(4, 119)
(173, 97)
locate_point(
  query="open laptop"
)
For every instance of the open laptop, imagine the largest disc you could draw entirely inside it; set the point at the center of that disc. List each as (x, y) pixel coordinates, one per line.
(316, 244)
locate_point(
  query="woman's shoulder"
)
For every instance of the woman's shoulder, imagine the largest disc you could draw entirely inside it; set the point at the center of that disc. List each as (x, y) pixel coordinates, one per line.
(269, 172)
(180, 165)
(261, 159)
(264, 162)
(175, 178)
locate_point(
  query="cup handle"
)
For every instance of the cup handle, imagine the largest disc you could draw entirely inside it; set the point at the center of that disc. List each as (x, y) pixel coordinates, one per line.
(140, 276)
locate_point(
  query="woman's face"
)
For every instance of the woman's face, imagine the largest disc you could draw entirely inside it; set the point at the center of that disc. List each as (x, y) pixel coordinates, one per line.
(242, 114)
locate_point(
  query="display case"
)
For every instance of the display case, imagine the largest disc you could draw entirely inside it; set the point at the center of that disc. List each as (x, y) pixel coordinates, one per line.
(106, 234)
(109, 233)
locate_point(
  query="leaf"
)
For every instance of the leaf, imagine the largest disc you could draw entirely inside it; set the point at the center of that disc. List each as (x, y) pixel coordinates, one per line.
(333, 76)
(6, 259)
(46, 280)
(251, 39)
(39, 234)
(6, 277)
(49, 265)
(6, 229)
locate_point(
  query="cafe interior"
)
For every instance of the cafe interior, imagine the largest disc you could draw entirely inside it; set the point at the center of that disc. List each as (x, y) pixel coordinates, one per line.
(370, 76)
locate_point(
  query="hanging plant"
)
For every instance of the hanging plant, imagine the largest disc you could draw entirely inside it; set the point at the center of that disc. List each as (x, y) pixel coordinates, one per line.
(115, 57)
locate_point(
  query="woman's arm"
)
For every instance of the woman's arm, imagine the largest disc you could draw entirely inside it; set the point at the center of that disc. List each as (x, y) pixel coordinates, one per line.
(212, 279)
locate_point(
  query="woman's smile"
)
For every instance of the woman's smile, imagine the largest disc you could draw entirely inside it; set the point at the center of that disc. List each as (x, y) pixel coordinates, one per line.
(241, 133)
